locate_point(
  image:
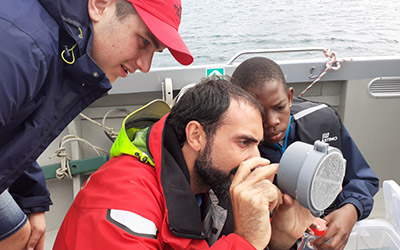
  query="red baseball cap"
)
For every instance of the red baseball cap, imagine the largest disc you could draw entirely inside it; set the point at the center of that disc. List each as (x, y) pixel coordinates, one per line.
(162, 18)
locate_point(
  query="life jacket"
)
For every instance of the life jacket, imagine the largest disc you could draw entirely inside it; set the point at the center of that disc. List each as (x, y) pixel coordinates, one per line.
(133, 137)
(317, 121)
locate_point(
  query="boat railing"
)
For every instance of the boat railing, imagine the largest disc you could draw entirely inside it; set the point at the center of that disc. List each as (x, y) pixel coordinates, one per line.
(268, 51)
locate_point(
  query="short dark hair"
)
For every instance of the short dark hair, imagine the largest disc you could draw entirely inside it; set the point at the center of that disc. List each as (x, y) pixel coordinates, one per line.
(256, 71)
(124, 8)
(207, 103)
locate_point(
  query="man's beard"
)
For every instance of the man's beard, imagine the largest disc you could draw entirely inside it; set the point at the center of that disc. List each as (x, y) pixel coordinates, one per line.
(207, 174)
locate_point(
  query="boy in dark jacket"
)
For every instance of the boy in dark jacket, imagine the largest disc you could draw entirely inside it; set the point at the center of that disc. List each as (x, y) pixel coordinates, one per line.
(285, 123)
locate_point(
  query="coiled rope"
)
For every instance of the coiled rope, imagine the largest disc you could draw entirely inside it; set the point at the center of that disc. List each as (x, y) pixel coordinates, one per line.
(332, 64)
(65, 170)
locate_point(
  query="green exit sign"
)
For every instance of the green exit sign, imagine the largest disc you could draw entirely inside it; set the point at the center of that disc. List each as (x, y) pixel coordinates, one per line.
(215, 71)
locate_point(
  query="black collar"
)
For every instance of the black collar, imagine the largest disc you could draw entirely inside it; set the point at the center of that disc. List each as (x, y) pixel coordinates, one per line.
(184, 214)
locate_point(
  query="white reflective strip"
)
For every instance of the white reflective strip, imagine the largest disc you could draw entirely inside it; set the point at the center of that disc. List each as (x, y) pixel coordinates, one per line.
(308, 111)
(134, 222)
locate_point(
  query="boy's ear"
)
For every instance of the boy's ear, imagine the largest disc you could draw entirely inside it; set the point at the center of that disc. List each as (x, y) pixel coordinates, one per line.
(195, 136)
(96, 8)
(290, 96)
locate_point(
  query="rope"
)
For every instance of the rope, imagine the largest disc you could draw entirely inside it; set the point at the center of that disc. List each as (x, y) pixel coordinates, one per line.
(110, 132)
(332, 64)
(181, 92)
(65, 170)
(93, 121)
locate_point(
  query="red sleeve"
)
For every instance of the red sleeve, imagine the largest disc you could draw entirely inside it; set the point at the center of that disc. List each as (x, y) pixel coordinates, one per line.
(112, 212)
(90, 229)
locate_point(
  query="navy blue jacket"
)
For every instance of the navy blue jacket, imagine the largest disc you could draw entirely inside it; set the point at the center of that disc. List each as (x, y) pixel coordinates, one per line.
(40, 94)
(360, 183)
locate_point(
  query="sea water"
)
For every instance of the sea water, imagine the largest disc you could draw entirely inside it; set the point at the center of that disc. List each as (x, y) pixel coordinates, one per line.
(215, 30)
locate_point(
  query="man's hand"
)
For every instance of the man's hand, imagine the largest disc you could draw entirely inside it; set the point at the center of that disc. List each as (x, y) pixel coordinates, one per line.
(289, 221)
(253, 197)
(38, 225)
(340, 223)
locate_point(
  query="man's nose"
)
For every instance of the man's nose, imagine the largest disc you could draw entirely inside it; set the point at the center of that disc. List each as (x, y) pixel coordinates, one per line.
(143, 62)
(255, 152)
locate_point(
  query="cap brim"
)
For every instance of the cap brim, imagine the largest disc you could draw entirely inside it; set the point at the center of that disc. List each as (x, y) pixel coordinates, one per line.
(168, 35)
